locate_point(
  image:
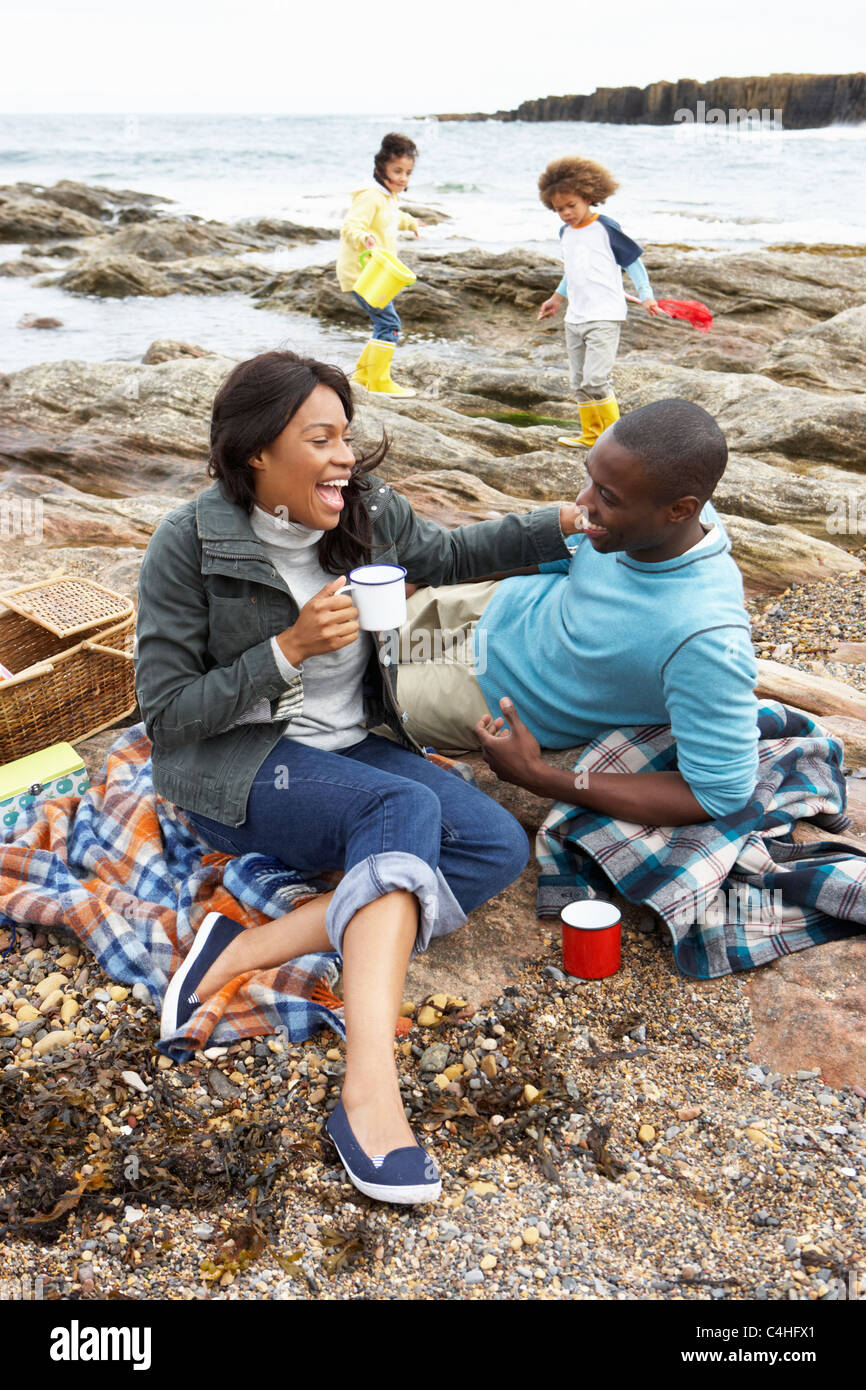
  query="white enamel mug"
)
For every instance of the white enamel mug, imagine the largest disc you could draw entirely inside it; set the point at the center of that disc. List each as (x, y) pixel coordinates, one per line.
(379, 594)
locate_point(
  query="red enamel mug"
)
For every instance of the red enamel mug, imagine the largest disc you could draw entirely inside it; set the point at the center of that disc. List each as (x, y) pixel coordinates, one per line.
(591, 939)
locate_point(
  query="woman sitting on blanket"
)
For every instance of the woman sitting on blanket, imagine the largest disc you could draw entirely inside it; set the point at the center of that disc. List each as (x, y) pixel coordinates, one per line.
(259, 692)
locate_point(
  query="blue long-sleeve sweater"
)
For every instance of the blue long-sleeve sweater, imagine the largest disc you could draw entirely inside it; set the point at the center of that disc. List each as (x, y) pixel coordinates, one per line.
(601, 641)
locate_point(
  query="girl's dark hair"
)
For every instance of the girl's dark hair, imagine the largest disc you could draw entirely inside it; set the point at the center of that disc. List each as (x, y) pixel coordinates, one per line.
(393, 146)
(254, 404)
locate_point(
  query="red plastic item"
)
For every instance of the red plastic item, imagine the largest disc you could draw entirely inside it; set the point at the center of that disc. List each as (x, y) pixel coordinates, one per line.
(692, 310)
(591, 939)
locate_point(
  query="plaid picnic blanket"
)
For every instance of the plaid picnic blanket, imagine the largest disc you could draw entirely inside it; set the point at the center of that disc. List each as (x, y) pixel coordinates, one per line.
(124, 872)
(735, 892)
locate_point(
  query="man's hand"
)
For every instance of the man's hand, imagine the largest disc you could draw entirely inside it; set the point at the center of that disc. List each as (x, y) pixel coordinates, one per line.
(513, 754)
(550, 306)
(652, 308)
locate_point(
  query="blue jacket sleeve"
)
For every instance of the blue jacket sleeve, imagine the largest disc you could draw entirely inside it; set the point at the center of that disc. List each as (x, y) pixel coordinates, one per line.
(709, 692)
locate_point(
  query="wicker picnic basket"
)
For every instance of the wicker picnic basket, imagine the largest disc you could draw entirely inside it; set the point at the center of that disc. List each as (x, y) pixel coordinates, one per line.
(68, 643)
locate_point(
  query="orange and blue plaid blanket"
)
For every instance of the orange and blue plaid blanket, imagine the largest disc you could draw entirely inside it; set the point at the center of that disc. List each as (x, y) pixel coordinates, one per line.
(736, 892)
(124, 872)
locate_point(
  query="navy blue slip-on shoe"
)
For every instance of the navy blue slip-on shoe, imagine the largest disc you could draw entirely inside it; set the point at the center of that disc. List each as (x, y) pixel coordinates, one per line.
(181, 1000)
(404, 1175)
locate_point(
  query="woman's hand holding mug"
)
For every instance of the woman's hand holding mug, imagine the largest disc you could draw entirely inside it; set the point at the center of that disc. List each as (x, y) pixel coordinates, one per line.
(327, 622)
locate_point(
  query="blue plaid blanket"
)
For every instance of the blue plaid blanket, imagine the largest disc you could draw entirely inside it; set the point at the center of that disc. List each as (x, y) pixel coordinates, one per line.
(123, 870)
(735, 892)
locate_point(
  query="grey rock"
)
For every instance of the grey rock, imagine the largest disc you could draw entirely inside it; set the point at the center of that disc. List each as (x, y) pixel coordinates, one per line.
(554, 973)
(221, 1087)
(434, 1058)
(27, 1030)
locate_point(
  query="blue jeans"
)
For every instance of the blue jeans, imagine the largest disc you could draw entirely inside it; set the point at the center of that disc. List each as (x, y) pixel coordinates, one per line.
(386, 321)
(386, 817)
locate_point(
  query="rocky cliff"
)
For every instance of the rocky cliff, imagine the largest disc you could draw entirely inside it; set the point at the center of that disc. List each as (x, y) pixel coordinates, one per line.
(806, 100)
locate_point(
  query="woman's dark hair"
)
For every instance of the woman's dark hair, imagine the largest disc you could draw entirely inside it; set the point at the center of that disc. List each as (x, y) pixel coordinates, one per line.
(393, 146)
(254, 404)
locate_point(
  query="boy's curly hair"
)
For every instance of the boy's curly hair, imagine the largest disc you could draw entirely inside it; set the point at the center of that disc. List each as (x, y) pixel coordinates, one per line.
(572, 175)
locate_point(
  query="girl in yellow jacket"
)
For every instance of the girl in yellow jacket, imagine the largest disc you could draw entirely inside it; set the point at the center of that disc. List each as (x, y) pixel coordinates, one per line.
(374, 219)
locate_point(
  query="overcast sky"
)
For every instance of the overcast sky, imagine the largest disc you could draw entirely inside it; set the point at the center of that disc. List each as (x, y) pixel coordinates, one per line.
(365, 56)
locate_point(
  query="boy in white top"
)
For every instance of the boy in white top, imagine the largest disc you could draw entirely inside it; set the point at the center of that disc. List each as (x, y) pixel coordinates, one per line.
(595, 250)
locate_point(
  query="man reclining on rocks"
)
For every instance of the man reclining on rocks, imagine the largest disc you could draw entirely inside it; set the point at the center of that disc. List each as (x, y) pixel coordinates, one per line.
(644, 625)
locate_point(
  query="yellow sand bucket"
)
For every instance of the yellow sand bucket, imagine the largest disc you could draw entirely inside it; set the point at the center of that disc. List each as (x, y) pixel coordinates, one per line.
(383, 277)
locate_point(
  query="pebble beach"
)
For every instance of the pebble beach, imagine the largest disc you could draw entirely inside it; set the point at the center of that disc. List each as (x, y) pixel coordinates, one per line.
(607, 1140)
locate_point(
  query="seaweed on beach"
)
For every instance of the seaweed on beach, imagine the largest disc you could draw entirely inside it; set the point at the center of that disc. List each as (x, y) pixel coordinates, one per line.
(62, 1150)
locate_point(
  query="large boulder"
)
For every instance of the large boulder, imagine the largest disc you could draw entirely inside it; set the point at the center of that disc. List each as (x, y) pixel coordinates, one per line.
(292, 232)
(772, 557)
(176, 238)
(810, 499)
(831, 356)
(71, 517)
(115, 277)
(809, 1011)
(775, 291)
(23, 218)
(113, 428)
(758, 416)
(168, 349)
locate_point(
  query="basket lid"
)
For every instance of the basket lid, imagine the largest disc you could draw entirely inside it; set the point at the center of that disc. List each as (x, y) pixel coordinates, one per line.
(67, 605)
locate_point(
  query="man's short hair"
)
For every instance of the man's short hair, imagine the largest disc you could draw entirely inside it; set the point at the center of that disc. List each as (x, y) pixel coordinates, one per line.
(679, 444)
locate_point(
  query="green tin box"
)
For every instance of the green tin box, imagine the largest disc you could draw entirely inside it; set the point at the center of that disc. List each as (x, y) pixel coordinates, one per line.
(54, 771)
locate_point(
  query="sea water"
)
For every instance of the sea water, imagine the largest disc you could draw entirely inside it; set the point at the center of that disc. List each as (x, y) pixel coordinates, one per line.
(715, 188)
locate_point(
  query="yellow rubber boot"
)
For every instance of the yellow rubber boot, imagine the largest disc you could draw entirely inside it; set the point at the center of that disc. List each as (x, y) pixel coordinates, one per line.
(360, 374)
(595, 416)
(379, 370)
(609, 413)
(590, 420)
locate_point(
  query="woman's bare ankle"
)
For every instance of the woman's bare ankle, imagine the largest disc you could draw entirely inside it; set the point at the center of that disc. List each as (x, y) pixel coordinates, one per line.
(227, 965)
(378, 1121)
